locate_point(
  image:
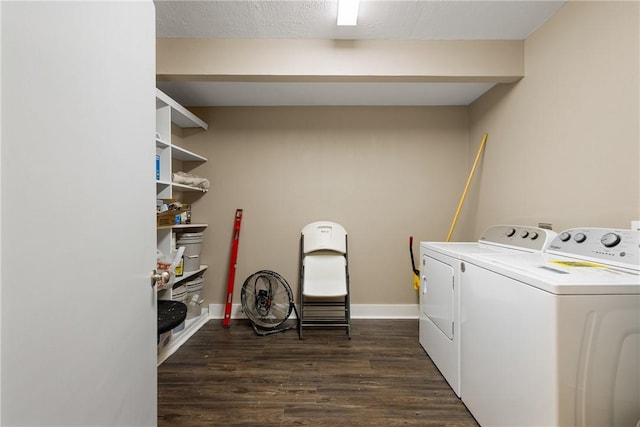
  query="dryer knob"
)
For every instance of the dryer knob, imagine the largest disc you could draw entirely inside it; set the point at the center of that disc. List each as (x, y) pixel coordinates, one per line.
(610, 240)
(534, 235)
(580, 237)
(524, 234)
(564, 236)
(511, 232)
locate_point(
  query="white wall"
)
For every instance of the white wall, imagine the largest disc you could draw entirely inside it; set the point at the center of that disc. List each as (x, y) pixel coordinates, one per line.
(78, 332)
(0, 213)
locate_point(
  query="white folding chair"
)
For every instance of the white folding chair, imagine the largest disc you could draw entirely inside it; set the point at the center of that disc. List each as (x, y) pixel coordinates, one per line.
(324, 277)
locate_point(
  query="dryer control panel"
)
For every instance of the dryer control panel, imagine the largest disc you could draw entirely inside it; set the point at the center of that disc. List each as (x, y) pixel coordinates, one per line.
(518, 236)
(603, 245)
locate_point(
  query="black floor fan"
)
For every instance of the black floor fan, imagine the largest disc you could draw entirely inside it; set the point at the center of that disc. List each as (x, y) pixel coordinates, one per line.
(267, 301)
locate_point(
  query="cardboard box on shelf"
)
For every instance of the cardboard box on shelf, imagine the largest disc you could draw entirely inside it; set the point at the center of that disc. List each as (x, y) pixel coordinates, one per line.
(173, 215)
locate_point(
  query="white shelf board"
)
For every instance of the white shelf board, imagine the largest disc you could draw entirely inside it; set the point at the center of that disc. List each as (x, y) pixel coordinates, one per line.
(185, 276)
(186, 155)
(181, 187)
(161, 144)
(189, 226)
(183, 226)
(190, 274)
(179, 115)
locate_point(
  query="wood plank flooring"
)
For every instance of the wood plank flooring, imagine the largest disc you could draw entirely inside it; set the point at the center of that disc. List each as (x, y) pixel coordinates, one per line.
(232, 377)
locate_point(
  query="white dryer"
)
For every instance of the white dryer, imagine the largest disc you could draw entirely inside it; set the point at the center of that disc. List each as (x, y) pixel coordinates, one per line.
(440, 287)
(553, 339)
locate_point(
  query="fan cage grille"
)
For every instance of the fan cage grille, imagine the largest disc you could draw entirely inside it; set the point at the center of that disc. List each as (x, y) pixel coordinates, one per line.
(267, 300)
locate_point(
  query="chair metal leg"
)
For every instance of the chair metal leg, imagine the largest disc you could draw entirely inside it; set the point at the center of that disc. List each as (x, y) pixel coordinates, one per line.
(300, 316)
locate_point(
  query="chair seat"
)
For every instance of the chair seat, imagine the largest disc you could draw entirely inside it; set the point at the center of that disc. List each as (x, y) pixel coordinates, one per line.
(325, 276)
(327, 290)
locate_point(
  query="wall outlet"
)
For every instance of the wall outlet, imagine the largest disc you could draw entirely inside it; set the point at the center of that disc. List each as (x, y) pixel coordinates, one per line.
(545, 225)
(635, 225)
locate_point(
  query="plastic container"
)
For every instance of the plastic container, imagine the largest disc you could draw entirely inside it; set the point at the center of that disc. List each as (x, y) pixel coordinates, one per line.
(179, 293)
(179, 269)
(193, 299)
(192, 243)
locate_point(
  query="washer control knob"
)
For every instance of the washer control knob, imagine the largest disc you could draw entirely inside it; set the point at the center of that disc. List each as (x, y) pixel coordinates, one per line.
(534, 235)
(564, 236)
(580, 237)
(524, 234)
(511, 232)
(610, 240)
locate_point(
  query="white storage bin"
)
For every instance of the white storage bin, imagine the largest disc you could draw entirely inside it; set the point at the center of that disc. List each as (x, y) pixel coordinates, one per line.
(179, 294)
(194, 297)
(192, 243)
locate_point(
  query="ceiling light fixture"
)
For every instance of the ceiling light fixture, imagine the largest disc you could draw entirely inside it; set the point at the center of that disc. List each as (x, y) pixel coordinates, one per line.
(348, 12)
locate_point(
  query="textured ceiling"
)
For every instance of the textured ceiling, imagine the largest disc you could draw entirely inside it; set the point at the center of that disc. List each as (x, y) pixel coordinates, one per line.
(377, 19)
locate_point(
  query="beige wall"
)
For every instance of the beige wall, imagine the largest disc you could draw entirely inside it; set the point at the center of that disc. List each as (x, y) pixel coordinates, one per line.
(564, 141)
(563, 148)
(338, 60)
(384, 173)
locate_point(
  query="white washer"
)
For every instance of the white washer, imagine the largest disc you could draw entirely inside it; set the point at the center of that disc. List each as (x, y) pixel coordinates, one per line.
(440, 287)
(553, 339)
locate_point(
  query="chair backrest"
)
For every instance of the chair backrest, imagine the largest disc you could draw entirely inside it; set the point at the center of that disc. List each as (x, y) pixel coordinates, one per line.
(324, 236)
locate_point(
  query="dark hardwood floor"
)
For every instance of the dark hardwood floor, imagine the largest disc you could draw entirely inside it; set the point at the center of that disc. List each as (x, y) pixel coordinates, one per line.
(232, 377)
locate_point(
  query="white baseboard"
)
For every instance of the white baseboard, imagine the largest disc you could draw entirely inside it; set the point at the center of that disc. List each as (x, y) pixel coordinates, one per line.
(358, 311)
(384, 311)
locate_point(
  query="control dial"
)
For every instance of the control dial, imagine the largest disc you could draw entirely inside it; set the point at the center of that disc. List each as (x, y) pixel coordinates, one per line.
(610, 240)
(534, 235)
(511, 232)
(580, 237)
(524, 234)
(564, 236)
